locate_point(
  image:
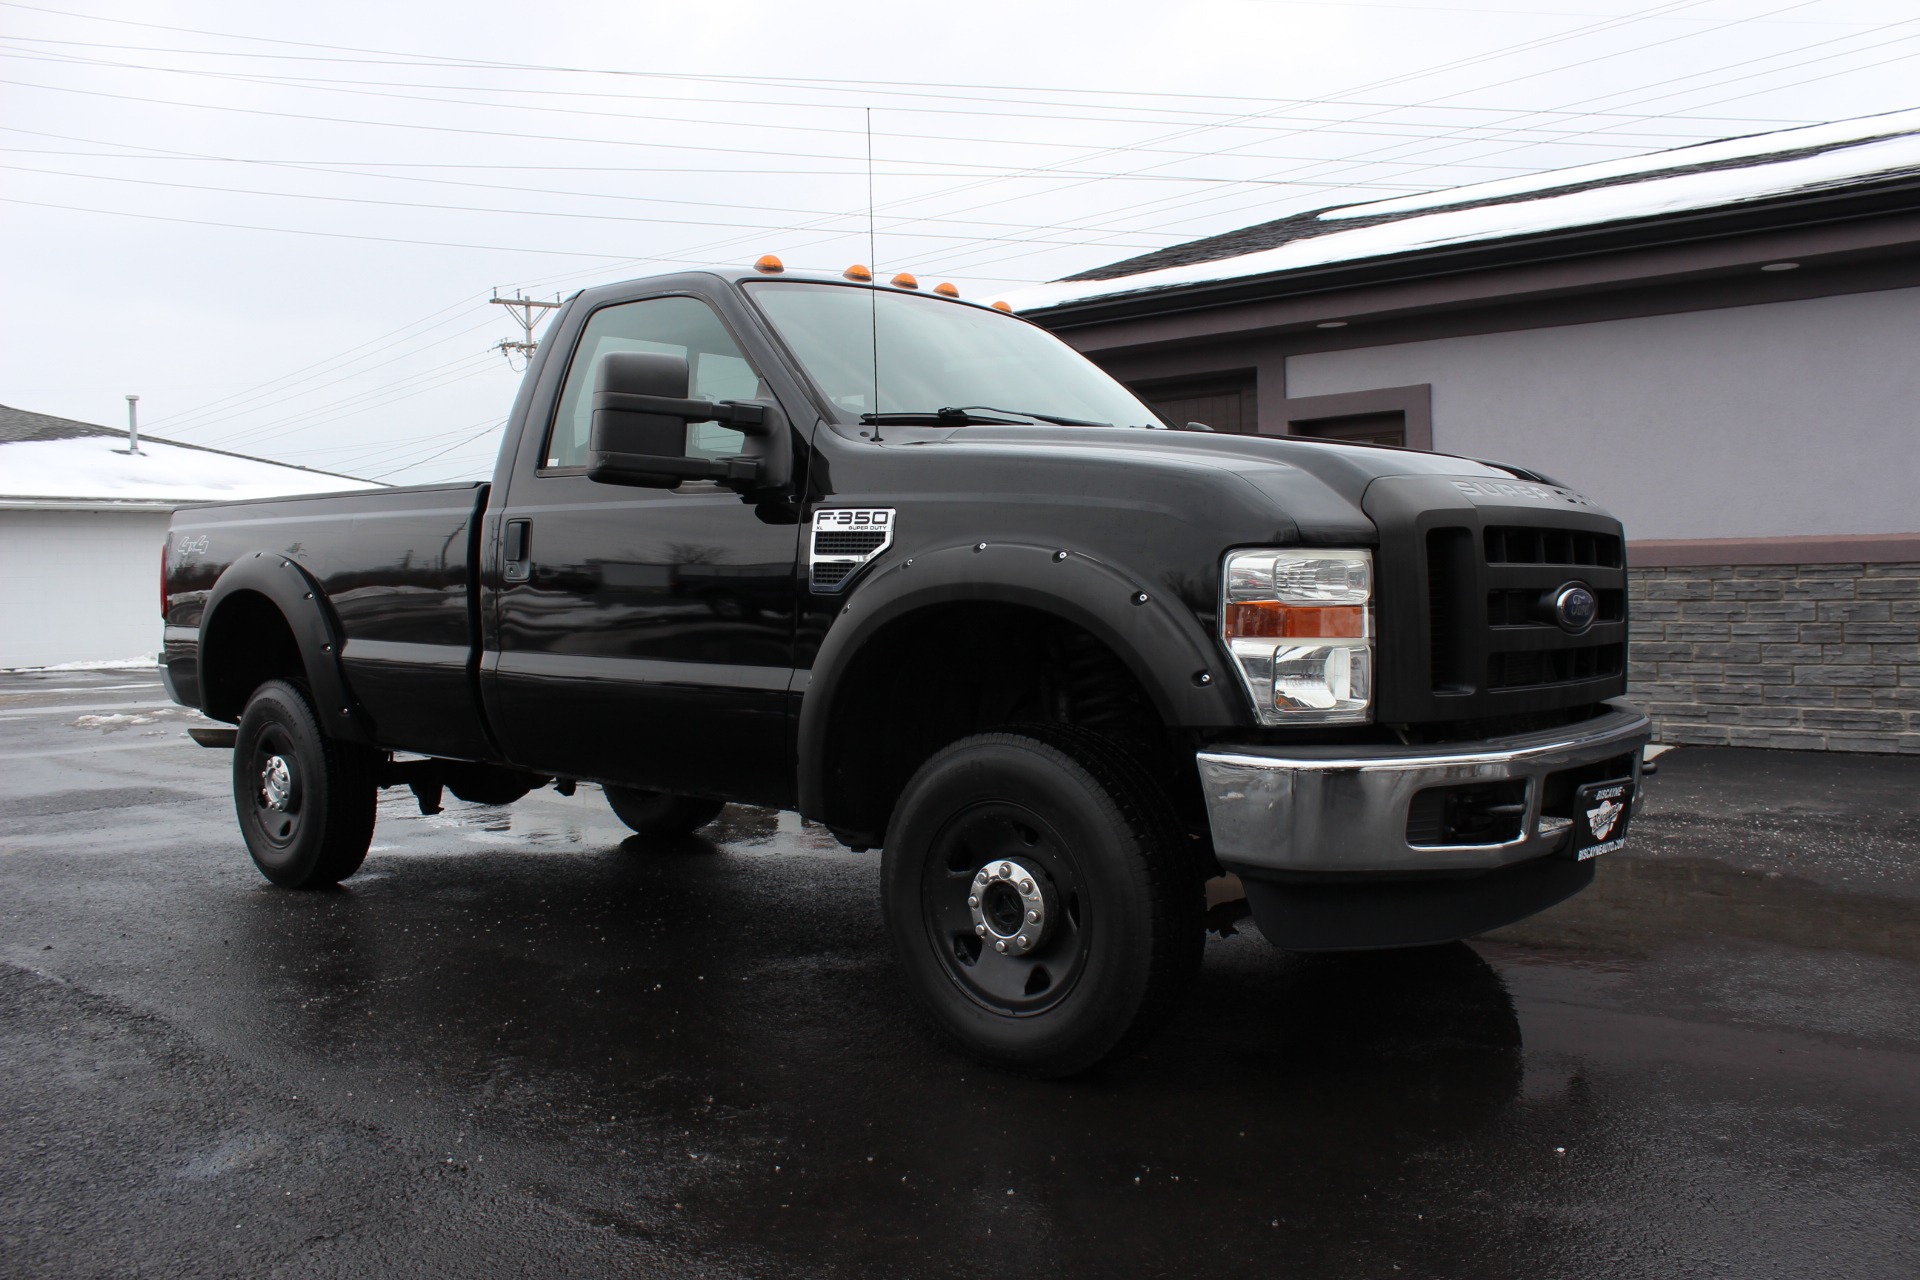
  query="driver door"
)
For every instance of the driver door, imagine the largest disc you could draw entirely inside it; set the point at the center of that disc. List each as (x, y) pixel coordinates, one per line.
(645, 636)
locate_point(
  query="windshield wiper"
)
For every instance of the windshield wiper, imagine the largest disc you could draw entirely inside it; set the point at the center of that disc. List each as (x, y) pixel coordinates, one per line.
(972, 415)
(939, 418)
(1053, 418)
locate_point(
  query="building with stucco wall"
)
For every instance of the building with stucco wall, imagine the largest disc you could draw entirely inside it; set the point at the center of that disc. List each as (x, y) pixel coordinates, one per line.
(83, 523)
(1720, 343)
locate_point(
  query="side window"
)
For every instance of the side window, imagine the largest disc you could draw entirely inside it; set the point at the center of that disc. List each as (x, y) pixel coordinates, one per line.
(676, 326)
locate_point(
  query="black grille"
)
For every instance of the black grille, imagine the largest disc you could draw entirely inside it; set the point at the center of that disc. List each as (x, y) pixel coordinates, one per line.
(1521, 607)
(1508, 544)
(1493, 643)
(847, 542)
(1532, 668)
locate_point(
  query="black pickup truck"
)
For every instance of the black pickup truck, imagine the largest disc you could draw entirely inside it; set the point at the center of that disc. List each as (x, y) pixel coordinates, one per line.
(915, 568)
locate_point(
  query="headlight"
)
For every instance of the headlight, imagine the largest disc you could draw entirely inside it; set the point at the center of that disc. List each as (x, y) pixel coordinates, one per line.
(1299, 624)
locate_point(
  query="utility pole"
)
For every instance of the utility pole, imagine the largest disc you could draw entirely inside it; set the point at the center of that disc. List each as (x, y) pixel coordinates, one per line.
(527, 312)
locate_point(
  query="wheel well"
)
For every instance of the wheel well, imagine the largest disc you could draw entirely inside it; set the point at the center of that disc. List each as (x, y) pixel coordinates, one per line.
(247, 642)
(947, 671)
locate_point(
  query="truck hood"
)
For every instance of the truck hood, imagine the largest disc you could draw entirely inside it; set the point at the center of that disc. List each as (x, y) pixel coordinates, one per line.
(1319, 486)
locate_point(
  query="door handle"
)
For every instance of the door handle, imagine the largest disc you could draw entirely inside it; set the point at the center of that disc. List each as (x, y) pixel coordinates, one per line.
(517, 555)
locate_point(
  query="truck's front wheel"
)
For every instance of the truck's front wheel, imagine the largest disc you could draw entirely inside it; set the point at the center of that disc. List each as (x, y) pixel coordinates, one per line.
(305, 802)
(1040, 899)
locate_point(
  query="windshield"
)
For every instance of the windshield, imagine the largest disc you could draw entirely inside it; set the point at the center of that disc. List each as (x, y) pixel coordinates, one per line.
(936, 355)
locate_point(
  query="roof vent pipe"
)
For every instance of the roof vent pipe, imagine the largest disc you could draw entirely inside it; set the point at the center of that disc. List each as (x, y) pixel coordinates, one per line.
(133, 425)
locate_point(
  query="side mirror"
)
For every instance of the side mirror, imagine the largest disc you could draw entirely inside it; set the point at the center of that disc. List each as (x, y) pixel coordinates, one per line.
(639, 435)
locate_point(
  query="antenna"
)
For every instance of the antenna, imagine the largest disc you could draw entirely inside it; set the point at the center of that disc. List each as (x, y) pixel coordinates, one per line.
(873, 286)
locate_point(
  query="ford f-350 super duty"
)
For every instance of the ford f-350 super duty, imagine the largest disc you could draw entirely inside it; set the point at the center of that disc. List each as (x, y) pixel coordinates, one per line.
(912, 566)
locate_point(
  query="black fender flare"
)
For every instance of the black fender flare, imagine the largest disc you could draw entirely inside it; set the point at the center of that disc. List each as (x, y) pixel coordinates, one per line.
(1175, 661)
(301, 601)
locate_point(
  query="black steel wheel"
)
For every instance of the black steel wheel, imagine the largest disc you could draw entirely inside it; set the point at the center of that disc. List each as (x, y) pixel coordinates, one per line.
(305, 802)
(661, 813)
(1040, 898)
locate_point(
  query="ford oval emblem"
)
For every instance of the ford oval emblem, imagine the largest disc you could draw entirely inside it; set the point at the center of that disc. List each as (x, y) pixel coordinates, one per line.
(1574, 608)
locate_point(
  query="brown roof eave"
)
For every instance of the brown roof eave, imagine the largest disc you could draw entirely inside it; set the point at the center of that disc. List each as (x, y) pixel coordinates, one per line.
(1801, 210)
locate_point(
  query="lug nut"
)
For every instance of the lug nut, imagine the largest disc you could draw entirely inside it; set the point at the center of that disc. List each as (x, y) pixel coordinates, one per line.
(1022, 939)
(980, 929)
(1026, 886)
(1033, 917)
(972, 900)
(981, 878)
(1006, 868)
(1001, 947)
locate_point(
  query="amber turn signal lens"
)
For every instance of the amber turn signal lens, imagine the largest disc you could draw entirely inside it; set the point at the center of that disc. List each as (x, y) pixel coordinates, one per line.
(1270, 619)
(769, 265)
(946, 291)
(859, 273)
(1001, 306)
(905, 281)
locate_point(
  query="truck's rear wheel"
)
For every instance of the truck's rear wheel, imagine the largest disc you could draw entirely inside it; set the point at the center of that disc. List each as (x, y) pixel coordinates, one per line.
(305, 802)
(661, 813)
(1040, 898)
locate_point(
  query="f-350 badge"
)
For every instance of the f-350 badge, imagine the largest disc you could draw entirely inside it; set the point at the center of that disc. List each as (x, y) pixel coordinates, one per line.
(845, 540)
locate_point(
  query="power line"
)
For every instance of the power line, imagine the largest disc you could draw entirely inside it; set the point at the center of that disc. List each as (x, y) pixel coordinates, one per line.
(329, 85)
(866, 87)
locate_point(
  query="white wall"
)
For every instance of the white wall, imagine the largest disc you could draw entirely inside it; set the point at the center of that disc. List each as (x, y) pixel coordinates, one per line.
(1785, 419)
(79, 586)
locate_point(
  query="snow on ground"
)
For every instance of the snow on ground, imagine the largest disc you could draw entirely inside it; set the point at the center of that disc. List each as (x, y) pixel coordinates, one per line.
(97, 467)
(1650, 198)
(148, 661)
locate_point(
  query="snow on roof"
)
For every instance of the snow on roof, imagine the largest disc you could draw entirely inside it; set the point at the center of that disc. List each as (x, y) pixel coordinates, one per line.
(1640, 188)
(96, 467)
(1754, 147)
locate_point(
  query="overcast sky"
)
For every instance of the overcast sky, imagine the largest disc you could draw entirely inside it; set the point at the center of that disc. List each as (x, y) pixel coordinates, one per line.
(280, 224)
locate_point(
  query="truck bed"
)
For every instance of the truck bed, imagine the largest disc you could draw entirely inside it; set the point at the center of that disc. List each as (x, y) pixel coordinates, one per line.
(395, 571)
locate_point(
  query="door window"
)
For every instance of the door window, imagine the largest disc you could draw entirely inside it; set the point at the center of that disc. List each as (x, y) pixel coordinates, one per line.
(674, 326)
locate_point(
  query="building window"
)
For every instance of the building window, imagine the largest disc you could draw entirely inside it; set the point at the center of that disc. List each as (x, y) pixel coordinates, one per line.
(1400, 416)
(1362, 428)
(1224, 402)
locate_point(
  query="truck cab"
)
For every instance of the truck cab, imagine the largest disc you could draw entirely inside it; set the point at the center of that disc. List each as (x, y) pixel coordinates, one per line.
(913, 567)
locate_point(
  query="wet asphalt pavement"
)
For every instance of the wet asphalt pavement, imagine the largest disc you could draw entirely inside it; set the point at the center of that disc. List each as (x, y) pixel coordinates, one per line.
(519, 1043)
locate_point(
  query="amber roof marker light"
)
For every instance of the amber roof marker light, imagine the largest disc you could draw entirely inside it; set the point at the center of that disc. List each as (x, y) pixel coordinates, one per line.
(858, 273)
(768, 265)
(1003, 306)
(904, 281)
(946, 291)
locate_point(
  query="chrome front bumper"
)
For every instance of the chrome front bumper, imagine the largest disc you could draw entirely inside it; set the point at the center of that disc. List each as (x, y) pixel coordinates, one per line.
(1345, 809)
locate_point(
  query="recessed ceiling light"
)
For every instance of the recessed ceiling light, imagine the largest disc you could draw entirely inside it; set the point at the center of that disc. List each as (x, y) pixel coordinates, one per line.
(1781, 266)
(1331, 324)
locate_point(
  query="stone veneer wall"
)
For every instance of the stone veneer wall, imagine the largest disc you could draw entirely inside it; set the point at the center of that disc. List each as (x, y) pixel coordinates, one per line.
(1818, 657)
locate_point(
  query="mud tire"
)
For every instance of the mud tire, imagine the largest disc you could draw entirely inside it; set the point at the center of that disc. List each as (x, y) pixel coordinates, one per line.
(321, 835)
(1125, 940)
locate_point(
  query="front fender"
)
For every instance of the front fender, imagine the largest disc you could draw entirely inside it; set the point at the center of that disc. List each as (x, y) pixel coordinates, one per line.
(1174, 660)
(317, 632)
